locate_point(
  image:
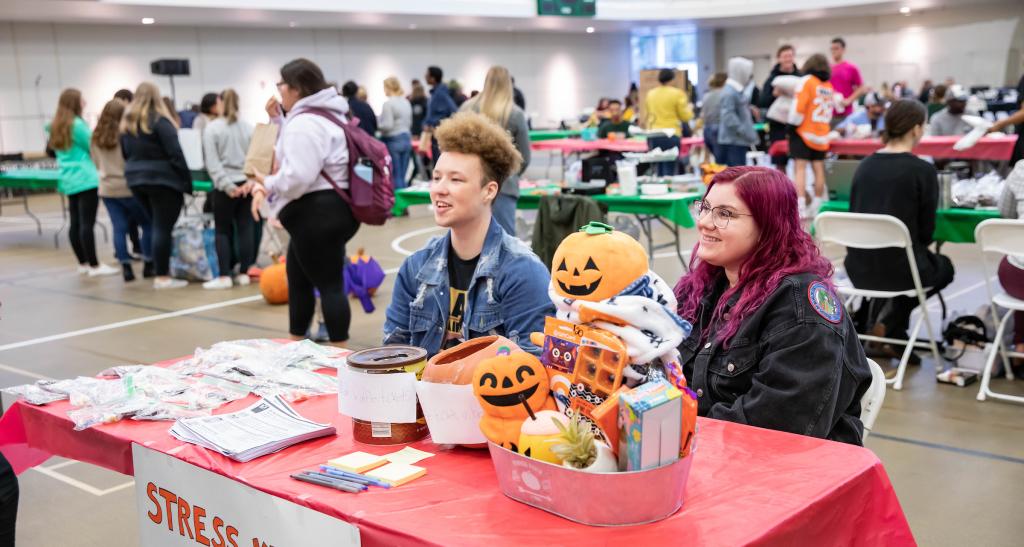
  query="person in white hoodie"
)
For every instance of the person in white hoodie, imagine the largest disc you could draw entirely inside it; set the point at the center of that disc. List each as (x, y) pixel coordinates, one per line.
(307, 203)
(735, 123)
(225, 143)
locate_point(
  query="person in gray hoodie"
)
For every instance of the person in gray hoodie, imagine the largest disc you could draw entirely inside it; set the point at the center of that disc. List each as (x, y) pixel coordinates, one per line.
(736, 124)
(225, 143)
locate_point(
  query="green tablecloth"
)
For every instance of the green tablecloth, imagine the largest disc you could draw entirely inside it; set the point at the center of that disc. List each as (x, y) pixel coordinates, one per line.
(951, 225)
(552, 134)
(46, 179)
(673, 206)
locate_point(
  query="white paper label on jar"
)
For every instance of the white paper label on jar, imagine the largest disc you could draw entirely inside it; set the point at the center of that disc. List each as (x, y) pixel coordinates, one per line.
(380, 429)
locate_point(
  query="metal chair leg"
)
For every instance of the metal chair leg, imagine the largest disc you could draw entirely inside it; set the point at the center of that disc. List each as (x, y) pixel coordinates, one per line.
(990, 361)
(902, 368)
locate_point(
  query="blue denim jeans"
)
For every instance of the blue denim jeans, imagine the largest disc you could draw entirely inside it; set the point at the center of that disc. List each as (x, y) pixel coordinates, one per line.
(400, 148)
(123, 213)
(665, 168)
(733, 154)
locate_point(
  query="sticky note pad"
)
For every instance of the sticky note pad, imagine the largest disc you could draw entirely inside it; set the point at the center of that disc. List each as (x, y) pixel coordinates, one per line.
(407, 455)
(397, 474)
(358, 462)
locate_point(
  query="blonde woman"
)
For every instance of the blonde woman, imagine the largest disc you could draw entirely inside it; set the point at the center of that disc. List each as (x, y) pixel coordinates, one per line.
(395, 124)
(157, 174)
(69, 139)
(495, 102)
(225, 143)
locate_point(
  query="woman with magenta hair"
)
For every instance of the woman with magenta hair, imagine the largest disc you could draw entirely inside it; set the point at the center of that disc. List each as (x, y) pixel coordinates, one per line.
(771, 344)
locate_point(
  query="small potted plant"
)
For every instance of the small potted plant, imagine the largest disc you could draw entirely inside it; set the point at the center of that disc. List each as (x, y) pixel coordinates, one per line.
(579, 449)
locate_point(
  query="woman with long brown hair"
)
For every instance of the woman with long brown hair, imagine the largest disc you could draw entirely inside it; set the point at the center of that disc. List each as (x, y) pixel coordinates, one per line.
(225, 143)
(125, 211)
(156, 172)
(69, 138)
(495, 102)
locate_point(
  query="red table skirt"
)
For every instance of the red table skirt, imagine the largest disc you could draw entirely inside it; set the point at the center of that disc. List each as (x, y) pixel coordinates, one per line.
(988, 148)
(748, 486)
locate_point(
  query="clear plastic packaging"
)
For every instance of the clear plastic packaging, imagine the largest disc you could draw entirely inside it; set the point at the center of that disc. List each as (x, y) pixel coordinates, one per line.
(34, 395)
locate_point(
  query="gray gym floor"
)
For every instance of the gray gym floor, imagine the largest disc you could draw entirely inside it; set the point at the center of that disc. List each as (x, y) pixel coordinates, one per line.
(957, 464)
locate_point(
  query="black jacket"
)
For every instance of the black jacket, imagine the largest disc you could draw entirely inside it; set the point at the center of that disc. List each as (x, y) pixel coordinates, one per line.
(363, 111)
(794, 365)
(906, 187)
(156, 158)
(561, 215)
(767, 95)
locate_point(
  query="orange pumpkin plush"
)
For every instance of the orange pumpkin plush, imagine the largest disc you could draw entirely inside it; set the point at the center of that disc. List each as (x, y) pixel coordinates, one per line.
(274, 284)
(502, 385)
(597, 263)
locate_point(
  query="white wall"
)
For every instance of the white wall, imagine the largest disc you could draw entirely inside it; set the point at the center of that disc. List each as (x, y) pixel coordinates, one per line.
(559, 73)
(977, 44)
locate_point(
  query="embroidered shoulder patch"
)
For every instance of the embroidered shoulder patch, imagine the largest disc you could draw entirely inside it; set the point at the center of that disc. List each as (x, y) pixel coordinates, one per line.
(824, 302)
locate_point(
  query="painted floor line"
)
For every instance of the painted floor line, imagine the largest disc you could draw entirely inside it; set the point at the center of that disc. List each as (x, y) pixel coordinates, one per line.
(88, 488)
(24, 372)
(60, 465)
(130, 322)
(947, 448)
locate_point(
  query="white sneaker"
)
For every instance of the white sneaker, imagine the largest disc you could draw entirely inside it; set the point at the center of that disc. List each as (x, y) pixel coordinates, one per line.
(242, 280)
(218, 283)
(802, 208)
(170, 283)
(815, 207)
(103, 270)
(83, 268)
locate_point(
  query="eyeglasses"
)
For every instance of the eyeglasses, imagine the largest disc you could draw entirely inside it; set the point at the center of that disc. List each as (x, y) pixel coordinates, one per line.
(279, 84)
(719, 215)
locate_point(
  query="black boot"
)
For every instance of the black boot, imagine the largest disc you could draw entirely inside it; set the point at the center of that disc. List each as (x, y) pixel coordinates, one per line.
(126, 270)
(148, 270)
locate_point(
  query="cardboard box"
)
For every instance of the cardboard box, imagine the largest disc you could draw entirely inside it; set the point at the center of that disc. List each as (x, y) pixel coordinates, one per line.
(650, 425)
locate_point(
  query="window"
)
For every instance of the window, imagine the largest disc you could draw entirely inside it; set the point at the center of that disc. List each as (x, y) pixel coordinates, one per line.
(665, 47)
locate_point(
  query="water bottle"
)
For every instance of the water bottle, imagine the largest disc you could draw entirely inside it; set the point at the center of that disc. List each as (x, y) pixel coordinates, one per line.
(946, 189)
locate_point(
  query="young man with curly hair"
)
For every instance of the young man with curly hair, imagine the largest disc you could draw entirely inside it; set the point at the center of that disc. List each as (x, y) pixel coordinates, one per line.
(475, 280)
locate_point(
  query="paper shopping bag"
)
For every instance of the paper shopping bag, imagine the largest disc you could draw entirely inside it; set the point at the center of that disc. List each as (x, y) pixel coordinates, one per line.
(260, 156)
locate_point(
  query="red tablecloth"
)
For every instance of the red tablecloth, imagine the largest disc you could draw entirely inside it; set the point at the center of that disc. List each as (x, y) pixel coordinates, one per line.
(988, 148)
(748, 486)
(573, 146)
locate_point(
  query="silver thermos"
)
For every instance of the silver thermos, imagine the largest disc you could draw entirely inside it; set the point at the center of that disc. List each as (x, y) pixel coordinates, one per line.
(946, 189)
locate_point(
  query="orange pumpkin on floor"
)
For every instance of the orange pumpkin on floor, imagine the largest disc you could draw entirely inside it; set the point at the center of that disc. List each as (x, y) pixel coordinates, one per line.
(597, 263)
(274, 284)
(502, 385)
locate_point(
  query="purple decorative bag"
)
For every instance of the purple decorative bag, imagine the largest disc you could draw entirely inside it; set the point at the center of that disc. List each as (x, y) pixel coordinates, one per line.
(363, 275)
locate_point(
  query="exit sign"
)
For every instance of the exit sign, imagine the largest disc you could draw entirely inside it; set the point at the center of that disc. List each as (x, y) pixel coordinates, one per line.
(567, 8)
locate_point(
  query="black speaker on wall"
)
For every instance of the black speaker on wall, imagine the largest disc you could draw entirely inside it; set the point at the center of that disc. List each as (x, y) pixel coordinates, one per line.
(170, 67)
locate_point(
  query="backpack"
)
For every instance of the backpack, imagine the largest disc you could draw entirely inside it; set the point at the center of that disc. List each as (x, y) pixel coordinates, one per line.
(371, 193)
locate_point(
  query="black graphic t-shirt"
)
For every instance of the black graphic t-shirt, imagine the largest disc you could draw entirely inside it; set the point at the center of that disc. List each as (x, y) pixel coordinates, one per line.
(460, 274)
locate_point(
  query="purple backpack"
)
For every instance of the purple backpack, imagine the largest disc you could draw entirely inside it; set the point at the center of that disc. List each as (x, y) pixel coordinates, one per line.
(370, 193)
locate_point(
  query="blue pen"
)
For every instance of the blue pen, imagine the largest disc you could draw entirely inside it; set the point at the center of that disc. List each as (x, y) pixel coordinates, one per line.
(324, 482)
(327, 477)
(342, 474)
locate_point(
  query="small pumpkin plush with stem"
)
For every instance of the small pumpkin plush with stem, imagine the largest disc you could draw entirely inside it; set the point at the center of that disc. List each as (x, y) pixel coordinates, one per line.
(509, 387)
(597, 263)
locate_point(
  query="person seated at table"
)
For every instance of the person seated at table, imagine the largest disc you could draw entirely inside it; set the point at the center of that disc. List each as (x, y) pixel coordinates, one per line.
(872, 116)
(615, 123)
(475, 280)
(1011, 268)
(600, 113)
(950, 120)
(893, 181)
(771, 344)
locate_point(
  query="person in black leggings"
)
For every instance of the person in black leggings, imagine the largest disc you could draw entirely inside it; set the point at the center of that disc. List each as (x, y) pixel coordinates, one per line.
(82, 209)
(319, 224)
(164, 206)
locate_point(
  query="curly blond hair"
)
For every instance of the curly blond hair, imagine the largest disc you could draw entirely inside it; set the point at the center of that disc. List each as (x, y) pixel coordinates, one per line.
(476, 135)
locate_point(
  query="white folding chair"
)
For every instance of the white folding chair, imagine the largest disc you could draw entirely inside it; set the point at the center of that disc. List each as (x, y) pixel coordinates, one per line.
(867, 231)
(1005, 237)
(871, 402)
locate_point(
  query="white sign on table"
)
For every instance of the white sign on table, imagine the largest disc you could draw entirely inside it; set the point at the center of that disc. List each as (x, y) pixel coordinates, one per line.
(377, 397)
(452, 413)
(181, 505)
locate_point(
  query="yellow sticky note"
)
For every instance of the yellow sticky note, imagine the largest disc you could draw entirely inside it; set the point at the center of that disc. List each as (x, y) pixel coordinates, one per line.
(358, 462)
(397, 474)
(407, 455)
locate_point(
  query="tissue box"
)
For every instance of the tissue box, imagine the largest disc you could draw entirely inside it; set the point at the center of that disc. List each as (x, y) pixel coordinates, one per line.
(650, 425)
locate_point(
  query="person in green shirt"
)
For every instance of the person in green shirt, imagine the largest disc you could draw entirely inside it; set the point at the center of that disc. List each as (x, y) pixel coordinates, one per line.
(69, 138)
(615, 123)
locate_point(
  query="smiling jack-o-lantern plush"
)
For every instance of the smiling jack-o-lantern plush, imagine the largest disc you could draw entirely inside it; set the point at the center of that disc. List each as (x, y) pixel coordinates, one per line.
(597, 263)
(503, 386)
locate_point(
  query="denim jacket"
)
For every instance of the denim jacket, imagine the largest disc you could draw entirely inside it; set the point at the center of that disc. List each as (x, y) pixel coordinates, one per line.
(507, 296)
(795, 364)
